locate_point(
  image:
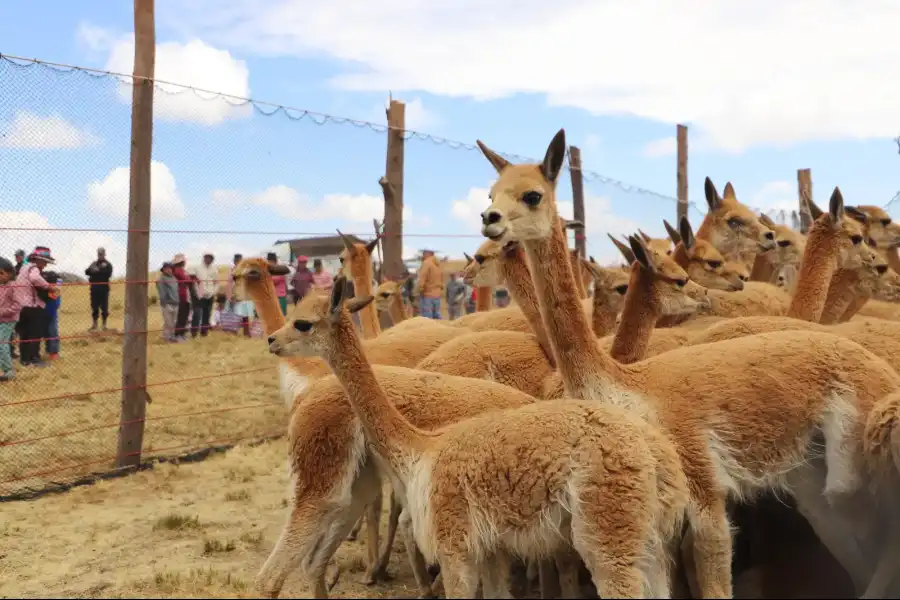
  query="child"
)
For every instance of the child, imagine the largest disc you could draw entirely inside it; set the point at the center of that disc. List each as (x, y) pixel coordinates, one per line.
(51, 306)
(9, 315)
(167, 290)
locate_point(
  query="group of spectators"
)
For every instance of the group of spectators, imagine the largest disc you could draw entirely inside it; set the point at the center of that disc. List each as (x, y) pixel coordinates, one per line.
(29, 310)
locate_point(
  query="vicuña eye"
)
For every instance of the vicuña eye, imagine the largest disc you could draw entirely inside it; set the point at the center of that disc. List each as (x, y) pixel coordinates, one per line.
(532, 198)
(735, 223)
(681, 282)
(479, 258)
(714, 264)
(302, 326)
(784, 243)
(621, 289)
(856, 239)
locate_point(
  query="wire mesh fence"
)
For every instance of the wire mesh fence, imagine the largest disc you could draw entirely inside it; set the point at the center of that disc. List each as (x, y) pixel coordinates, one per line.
(229, 176)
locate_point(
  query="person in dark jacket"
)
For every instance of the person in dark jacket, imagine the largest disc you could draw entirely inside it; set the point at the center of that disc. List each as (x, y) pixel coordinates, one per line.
(184, 296)
(99, 273)
(302, 280)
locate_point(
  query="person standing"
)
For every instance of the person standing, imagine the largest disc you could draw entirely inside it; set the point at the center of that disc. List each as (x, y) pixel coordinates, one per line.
(9, 316)
(207, 276)
(321, 278)
(241, 307)
(20, 260)
(302, 279)
(279, 280)
(430, 285)
(51, 306)
(33, 317)
(99, 273)
(167, 290)
(456, 295)
(184, 297)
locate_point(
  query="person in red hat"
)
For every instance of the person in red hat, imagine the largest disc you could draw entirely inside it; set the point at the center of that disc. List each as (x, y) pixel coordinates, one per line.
(32, 291)
(302, 280)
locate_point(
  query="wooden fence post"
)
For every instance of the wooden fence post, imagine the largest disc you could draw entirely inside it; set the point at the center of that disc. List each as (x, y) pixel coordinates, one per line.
(681, 180)
(392, 188)
(804, 191)
(577, 176)
(134, 346)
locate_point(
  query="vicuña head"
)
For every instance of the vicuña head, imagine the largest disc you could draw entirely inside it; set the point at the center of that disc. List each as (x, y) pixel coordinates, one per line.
(356, 256)
(840, 233)
(309, 332)
(789, 244)
(387, 292)
(523, 199)
(731, 226)
(658, 280)
(610, 284)
(660, 245)
(706, 265)
(483, 270)
(877, 224)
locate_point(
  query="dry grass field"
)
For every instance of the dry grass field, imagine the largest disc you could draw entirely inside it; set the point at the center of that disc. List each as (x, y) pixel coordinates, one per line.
(198, 530)
(67, 415)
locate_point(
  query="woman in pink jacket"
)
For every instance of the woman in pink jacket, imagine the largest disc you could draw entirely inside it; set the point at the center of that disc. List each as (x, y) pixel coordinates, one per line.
(31, 288)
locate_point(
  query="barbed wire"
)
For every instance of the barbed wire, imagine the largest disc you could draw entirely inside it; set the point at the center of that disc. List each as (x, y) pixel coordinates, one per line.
(269, 109)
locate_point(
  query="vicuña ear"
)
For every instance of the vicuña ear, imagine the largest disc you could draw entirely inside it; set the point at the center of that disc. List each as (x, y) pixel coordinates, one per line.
(356, 304)
(469, 259)
(644, 236)
(836, 205)
(856, 214)
(641, 254)
(338, 289)
(713, 199)
(348, 244)
(591, 259)
(673, 233)
(728, 192)
(814, 211)
(625, 250)
(767, 221)
(553, 158)
(498, 162)
(687, 233)
(370, 247)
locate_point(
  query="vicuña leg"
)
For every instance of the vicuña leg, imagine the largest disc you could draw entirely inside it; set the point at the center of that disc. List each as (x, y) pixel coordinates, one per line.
(388, 547)
(373, 524)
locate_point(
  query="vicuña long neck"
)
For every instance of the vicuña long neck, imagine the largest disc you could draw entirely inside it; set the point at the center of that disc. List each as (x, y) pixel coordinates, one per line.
(841, 295)
(638, 319)
(816, 270)
(763, 270)
(368, 316)
(575, 262)
(391, 436)
(586, 372)
(484, 298)
(514, 269)
(398, 311)
(265, 301)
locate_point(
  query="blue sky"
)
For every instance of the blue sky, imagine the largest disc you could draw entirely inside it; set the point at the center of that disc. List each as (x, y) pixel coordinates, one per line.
(222, 168)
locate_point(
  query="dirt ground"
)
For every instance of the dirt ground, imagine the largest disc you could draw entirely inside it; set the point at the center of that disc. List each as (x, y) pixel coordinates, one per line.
(198, 530)
(54, 420)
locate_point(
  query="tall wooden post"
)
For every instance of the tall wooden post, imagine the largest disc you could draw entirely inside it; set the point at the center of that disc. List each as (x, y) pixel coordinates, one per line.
(392, 188)
(134, 347)
(804, 192)
(577, 177)
(681, 179)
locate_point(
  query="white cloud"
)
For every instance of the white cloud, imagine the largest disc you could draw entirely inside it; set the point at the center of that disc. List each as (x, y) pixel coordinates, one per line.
(469, 209)
(73, 250)
(110, 195)
(288, 203)
(666, 146)
(28, 130)
(776, 195)
(740, 73)
(194, 64)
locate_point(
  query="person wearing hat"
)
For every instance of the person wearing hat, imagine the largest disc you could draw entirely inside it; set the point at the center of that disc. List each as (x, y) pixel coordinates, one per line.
(31, 285)
(207, 284)
(20, 260)
(167, 291)
(430, 285)
(99, 273)
(184, 296)
(302, 280)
